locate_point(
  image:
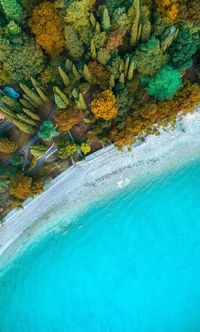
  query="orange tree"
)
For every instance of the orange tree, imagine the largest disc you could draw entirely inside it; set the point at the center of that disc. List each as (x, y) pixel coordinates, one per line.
(168, 8)
(20, 186)
(47, 26)
(65, 119)
(104, 106)
(188, 98)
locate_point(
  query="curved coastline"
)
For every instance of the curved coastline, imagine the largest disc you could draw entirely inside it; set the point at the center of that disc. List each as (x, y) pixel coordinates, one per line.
(99, 175)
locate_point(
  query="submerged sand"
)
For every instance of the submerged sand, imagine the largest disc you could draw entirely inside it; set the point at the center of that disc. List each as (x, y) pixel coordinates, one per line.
(99, 175)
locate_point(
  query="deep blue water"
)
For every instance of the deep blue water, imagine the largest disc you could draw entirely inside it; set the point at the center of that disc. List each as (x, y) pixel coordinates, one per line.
(133, 266)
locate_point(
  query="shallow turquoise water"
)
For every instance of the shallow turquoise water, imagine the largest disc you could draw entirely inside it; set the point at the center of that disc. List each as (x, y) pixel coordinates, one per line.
(134, 265)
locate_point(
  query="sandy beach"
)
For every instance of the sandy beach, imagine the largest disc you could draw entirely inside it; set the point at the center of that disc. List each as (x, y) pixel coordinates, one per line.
(99, 175)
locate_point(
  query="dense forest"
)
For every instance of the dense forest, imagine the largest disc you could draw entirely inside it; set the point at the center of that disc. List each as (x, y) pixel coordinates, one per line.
(78, 75)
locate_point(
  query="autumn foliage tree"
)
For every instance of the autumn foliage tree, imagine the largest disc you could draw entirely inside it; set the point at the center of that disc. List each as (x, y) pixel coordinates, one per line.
(23, 187)
(20, 186)
(194, 10)
(121, 137)
(188, 98)
(37, 187)
(100, 74)
(104, 106)
(169, 8)
(7, 145)
(65, 119)
(46, 25)
(115, 39)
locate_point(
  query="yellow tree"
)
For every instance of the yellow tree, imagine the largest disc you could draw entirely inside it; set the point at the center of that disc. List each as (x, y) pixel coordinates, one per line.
(168, 8)
(47, 26)
(104, 106)
(20, 186)
(7, 145)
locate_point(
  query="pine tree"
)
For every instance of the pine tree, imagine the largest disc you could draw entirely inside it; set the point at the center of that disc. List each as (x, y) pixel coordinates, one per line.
(25, 118)
(31, 114)
(31, 94)
(106, 20)
(64, 77)
(24, 127)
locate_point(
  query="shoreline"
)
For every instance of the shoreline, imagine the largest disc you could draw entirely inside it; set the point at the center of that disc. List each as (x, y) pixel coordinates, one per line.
(101, 173)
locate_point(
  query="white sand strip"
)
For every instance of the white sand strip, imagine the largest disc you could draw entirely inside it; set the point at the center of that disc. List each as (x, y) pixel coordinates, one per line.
(101, 173)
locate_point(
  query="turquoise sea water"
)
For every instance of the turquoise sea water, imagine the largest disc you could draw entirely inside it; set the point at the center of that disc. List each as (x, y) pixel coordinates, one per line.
(130, 263)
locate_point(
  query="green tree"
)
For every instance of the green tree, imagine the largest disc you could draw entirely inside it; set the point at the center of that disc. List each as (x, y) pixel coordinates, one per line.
(66, 149)
(124, 101)
(106, 20)
(182, 49)
(165, 84)
(17, 160)
(149, 57)
(38, 151)
(13, 10)
(21, 57)
(77, 15)
(5, 78)
(114, 4)
(120, 18)
(29, 5)
(72, 43)
(25, 118)
(24, 127)
(116, 65)
(47, 131)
